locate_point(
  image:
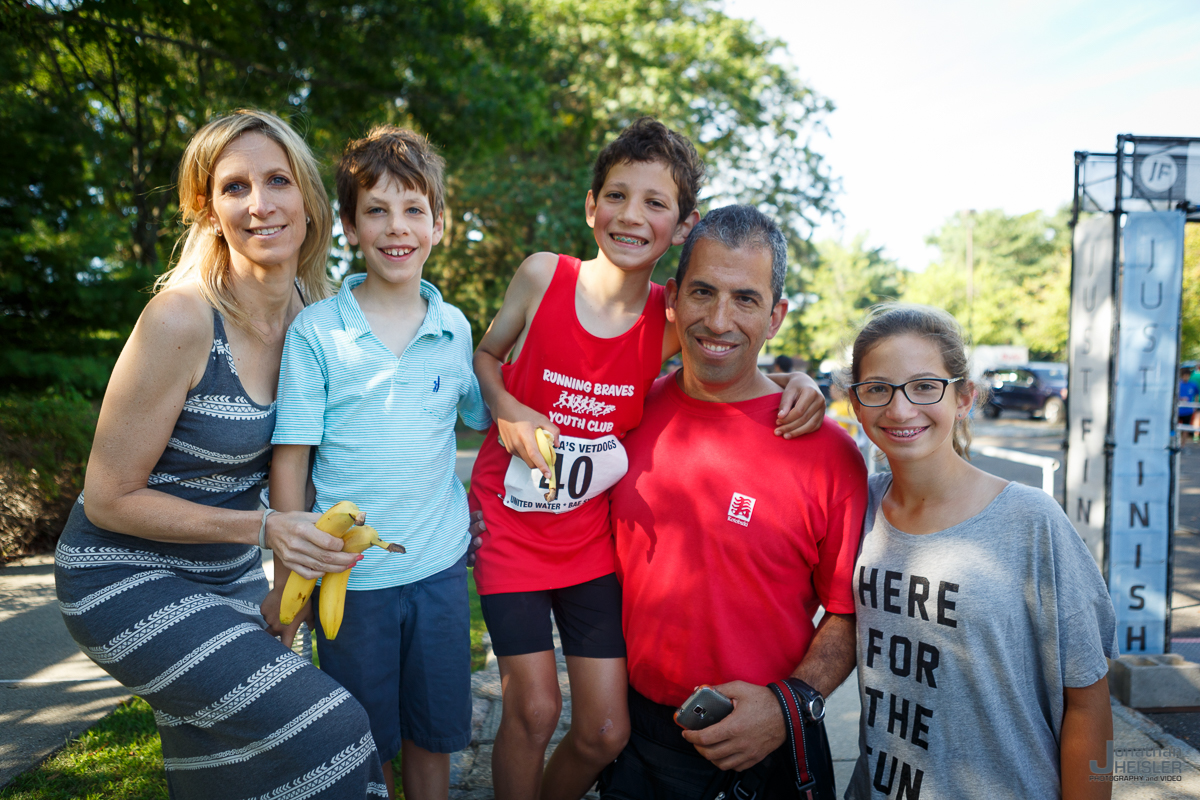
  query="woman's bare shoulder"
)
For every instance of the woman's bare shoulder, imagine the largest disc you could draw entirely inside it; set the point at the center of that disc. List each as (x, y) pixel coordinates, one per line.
(178, 316)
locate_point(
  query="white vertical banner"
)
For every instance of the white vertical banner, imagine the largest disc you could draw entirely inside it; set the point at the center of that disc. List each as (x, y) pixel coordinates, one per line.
(1089, 351)
(1143, 407)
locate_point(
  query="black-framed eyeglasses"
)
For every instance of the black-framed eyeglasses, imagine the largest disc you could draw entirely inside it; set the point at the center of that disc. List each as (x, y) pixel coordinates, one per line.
(920, 392)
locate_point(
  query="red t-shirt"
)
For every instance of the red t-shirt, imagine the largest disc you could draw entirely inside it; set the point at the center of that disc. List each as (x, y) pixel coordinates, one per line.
(593, 390)
(728, 538)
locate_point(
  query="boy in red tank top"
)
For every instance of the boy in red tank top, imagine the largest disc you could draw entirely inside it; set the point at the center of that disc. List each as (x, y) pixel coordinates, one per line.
(589, 339)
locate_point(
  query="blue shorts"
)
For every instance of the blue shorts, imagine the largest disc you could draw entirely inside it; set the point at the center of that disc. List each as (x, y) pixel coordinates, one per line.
(405, 653)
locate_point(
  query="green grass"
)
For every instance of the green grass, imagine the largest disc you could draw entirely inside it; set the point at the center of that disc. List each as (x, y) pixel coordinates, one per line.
(469, 439)
(478, 651)
(120, 757)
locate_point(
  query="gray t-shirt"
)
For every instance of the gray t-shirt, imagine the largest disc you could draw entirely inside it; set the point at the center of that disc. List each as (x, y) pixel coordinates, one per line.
(966, 640)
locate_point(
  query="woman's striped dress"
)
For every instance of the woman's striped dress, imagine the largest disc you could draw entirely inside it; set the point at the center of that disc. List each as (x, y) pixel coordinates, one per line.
(239, 714)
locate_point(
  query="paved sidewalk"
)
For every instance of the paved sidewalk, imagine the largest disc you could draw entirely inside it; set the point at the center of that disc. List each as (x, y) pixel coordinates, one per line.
(49, 690)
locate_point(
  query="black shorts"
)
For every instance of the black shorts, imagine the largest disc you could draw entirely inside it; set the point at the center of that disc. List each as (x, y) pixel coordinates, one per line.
(588, 616)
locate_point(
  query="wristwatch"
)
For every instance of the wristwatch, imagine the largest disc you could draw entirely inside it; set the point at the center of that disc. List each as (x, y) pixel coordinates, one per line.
(813, 703)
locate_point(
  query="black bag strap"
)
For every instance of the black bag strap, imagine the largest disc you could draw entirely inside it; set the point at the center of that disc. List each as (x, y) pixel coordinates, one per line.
(802, 706)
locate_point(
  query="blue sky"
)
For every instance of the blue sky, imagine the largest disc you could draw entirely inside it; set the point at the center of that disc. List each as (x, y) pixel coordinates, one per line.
(943, 106)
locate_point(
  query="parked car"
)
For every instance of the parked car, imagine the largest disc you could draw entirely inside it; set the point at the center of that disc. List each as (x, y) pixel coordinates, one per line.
(1038, 388)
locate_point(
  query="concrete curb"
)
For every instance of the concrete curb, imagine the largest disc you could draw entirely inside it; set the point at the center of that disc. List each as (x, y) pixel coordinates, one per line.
(1152, 730)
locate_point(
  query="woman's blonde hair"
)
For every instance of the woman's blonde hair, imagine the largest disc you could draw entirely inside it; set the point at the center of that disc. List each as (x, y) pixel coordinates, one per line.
(204, 257)
(899, 319)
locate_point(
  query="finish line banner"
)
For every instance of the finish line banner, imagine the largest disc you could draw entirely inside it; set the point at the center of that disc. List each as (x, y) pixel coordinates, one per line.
(1090, 349)
(1142, 430)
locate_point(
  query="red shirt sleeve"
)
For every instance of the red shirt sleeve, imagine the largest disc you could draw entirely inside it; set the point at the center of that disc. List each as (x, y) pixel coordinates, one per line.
(833, 578)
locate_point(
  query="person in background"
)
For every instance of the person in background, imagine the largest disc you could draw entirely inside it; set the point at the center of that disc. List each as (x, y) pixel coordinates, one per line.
(782, 364)
(1188, 394)
(842, 407)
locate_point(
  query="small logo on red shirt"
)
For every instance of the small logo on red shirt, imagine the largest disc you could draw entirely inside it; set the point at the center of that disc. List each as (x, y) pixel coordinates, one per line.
(740, 509)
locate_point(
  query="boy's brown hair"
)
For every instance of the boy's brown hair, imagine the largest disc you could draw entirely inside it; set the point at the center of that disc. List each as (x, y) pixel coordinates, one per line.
(388, 150)
(647, 140)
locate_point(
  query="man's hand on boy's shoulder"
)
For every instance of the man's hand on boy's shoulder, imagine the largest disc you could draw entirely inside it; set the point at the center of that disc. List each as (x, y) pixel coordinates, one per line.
(801, 407)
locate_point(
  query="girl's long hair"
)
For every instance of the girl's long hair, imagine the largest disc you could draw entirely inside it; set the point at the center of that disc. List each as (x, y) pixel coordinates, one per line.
(204, 256)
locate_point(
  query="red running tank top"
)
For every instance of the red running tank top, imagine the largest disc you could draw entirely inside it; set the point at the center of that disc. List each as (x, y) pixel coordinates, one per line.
(593, 390)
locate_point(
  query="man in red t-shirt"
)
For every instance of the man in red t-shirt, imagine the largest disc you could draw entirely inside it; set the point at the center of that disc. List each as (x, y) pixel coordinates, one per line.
(728, 537)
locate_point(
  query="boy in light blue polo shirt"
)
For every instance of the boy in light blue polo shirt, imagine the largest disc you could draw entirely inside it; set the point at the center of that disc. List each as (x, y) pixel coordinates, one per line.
(374, 379)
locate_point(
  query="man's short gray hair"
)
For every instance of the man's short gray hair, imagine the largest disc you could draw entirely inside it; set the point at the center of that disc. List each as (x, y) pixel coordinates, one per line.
(736, 227)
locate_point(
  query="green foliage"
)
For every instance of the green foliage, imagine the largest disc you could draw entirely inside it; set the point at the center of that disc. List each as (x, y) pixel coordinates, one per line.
(718, 80)
(843, 284)
(478, 628)
(1022, 273)
(120, 758)
(27, 371)
(46, 435)
(1189, 335)
(98, 99)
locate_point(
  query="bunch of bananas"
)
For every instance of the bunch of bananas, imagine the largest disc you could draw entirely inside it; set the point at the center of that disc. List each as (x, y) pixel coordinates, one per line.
(345, 521)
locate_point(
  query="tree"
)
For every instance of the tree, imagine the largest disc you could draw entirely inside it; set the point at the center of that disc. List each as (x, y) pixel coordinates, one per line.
(1022, 273)
(843, 284)
(108, 92)
(520, 97)
(1189, 334)
(718, 80)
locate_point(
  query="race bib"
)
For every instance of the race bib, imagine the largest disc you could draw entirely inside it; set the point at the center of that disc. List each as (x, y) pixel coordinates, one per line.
(584, 468)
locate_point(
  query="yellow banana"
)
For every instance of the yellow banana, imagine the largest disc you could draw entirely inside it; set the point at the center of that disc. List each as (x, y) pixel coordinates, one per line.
(333, 585)
(336, 521)
(545, 443)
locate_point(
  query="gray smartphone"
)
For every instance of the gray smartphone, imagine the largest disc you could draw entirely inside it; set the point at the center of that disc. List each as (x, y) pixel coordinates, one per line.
(705, 707)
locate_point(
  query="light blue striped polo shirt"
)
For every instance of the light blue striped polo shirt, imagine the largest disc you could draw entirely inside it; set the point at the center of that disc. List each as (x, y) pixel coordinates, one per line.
(384, 427)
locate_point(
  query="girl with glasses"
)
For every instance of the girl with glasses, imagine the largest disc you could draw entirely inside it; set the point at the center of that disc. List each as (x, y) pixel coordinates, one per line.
(983, 621)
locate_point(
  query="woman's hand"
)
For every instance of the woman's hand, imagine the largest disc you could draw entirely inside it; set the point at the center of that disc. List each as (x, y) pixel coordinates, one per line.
(270, 613)
(517, 423)
(299, 546)
(802, 407)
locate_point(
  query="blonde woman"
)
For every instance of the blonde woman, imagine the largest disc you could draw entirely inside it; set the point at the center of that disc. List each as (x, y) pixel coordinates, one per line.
(158, 573)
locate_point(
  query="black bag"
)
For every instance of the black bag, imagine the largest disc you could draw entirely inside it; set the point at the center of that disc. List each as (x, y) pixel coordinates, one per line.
(804, 714)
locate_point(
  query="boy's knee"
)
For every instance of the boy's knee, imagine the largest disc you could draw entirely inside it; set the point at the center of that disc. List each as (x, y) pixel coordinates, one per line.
(537, 717)
(604, 742)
